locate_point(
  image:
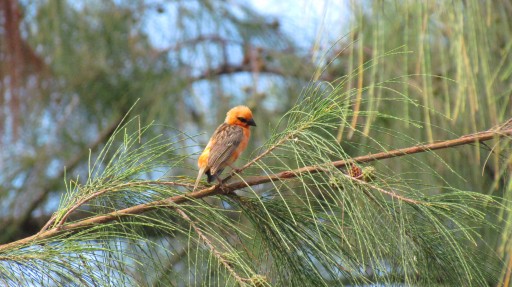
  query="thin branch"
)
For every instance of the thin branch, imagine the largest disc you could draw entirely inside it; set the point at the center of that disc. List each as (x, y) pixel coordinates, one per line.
(103, 191)
(263, 154)
(80, 203)
(231, 69)
(387, 192)
(13, 225)
(252, 181)
(212, 248)
(198, 40)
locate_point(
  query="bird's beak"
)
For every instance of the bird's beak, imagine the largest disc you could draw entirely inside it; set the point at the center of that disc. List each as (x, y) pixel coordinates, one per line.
(251, 122)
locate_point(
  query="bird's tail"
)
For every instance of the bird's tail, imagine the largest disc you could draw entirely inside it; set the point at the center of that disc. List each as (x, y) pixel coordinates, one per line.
(199, 175)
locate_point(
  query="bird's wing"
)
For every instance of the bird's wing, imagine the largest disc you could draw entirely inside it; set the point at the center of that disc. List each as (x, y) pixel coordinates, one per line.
(225, 141)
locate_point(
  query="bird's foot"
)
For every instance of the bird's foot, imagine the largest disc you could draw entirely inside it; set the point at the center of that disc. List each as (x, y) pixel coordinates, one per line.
(221, 184)
(235, 169)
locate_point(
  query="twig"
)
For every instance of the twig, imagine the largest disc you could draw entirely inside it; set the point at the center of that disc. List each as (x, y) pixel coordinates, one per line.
(200, 39)
(263, 154)
(381, 190)
(100, 192)
(212, 248)
(252, 181)
(226, 69)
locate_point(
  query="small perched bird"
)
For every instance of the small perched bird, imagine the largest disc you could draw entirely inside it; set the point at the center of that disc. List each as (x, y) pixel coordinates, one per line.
(226, 144)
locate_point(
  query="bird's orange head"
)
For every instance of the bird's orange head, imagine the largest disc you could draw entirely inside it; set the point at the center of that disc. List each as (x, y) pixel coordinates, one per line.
(241, 116)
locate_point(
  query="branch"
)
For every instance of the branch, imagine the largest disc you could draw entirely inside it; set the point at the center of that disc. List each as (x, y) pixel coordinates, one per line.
(252, 181)
(231, 69)
(263, 154)
(197, 40)
(71, 164)
(96, 194)
(212, 248)
(381, 190)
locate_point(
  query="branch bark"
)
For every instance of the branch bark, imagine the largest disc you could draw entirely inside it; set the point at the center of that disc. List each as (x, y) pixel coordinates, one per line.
(213, 249)
(252, 181)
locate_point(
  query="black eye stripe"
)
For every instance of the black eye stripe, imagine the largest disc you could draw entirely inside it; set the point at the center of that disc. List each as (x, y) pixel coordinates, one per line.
(243, 120)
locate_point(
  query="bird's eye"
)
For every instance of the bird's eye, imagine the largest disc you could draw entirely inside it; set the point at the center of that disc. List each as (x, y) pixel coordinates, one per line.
(243, 120)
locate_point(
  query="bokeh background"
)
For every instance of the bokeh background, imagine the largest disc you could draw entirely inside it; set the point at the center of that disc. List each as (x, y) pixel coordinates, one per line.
(71, 70)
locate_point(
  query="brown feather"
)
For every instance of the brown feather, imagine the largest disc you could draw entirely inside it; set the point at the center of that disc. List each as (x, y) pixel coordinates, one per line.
(227, 140)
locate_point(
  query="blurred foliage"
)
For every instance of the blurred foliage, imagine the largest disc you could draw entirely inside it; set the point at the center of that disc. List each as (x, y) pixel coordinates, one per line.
(71, 70)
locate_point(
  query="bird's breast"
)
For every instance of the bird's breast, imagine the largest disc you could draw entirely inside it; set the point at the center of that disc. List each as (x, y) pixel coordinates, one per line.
(242, 146)
(245, 140)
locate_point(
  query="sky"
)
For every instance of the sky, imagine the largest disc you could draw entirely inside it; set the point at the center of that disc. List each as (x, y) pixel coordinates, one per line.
(320, 21)
(309, 21)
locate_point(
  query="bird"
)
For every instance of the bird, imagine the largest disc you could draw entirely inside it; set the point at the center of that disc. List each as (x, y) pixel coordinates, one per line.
(228, 141)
